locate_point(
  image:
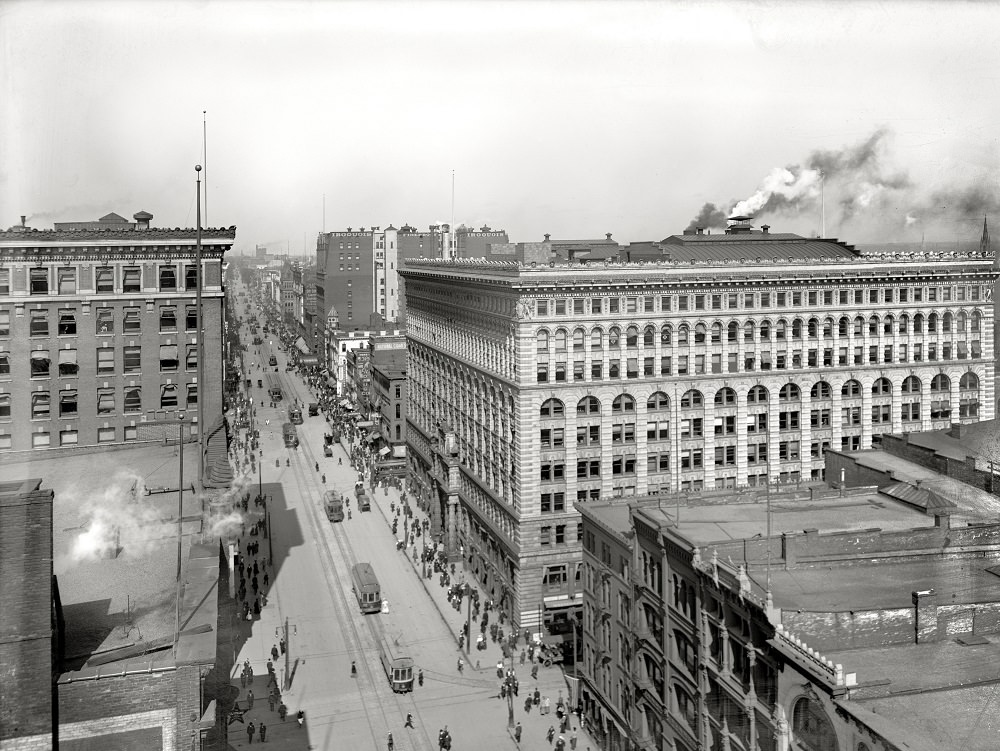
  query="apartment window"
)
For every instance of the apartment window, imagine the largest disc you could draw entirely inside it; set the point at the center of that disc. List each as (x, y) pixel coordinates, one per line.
(596, 306)
(132, 362)
(4, 363)
(4, 406)
(4, 281)
(67, 322)
(105, 279)
(132, 322)
(40, 440)
(588, 435)
(543, 372)
(39, 280)
(614, 305)
(105, 321)
(819, 418)
(168, 319)
(691, 459)
(191, 360)
(596, 370)
(560, 534)
(66, 276)
(552, 472)
(39, 325)
(192, 397)
(133, 400)
(725, 456)
(132, 281)
(191, 317)
(4, 322)
(788, 450)
(68, 366)
(68, 403)
(40, 405)
(105, 401)
(542, 307)
(552, 437)
(168, 278)
(105, 435)
(168, 396)
(40, 363)
(191, 277)
(545, 535)
(788, 421)
(106, 361)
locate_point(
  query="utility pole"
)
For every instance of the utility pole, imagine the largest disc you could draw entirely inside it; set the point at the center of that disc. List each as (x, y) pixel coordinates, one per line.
(180, 517)
(468, 623)
(202, 391)
(286, 638)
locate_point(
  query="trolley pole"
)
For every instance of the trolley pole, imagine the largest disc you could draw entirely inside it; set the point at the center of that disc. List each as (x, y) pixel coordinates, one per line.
(468, 623)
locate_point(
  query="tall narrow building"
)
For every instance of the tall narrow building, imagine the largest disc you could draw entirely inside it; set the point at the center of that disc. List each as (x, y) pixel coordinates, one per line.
(733, 360)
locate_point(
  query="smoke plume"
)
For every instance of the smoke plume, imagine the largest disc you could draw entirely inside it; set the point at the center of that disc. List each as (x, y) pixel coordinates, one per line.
(118, 518)
(224, 518)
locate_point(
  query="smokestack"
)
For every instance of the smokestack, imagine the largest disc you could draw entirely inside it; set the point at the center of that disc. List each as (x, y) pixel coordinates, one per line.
(700, 230)
(23, 218)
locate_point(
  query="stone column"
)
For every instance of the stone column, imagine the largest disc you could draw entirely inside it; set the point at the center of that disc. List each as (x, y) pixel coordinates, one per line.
(451, 540)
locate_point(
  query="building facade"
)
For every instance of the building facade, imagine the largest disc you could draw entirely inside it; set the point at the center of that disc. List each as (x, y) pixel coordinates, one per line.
(736, 360)
(98, 339)
(357, 272)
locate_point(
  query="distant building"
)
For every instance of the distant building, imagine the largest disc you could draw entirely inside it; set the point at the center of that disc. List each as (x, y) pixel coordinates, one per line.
(388, 398)
(97, 334)
(735, 362)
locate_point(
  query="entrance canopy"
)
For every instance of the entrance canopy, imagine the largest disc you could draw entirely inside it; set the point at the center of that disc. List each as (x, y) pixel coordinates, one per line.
(309, 360)
(384, 451)
(301, 346)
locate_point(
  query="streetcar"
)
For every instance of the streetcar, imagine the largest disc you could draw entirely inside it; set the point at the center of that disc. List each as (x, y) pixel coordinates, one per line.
(333, 504)
(274, 387)
(290, 436)
(366, 588)
(397, 665)
(295, 415)
(272, 361)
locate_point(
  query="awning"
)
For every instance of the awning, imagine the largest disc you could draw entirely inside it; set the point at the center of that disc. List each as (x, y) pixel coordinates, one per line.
(365, 424)
(345, 402)
(309, 360)
(556, 638)
(384, 450)
(301, 346)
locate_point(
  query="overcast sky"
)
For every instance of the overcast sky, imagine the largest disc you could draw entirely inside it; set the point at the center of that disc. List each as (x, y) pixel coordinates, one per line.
(571, 118)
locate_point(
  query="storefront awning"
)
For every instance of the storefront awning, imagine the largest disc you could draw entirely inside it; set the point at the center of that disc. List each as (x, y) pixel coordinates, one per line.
(345, 402)
(384, 451)
(365, 424)
(309, 360)
(301, 346)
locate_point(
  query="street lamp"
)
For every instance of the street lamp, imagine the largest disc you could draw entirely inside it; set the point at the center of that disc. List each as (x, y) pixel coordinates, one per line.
(260, 472)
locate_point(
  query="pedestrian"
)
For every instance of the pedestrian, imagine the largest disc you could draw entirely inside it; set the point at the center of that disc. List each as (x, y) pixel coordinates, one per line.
(572, 741)
(250, 731)
(534, 671)
(274, 652)
(282, 711)
(271, 700)
(250, 699)
(546, 705)
(282, 644)
(243, 677)
(550, 734)
(459, 664)
(263, 732)
(388, 742)
(537, 695)
(420, 677)
(517, 733)
(522, 656)
(499, 669)
(409, 720)
(267, 579)
(560, 743)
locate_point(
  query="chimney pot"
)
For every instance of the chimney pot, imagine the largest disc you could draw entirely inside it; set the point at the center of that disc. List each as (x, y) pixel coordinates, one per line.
(764, 228)
(608, 235)
(546, 237)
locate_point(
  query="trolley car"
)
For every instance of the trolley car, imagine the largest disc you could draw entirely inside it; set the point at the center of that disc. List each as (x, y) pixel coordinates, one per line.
(333, 504)
(366, 588)
(290, 436)
(398, 666)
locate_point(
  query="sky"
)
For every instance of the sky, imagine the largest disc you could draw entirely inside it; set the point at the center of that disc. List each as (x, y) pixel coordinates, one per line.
(871, 122)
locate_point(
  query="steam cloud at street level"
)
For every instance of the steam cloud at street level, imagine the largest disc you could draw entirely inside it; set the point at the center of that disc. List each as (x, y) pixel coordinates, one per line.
(226, 519)
(874, 201)
(119, 515)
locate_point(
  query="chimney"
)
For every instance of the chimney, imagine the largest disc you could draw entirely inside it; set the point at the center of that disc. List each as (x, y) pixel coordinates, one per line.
(700, 230)
(546, 237)
(607, 235)
(348, 229)
(23, 218)
(764, 228)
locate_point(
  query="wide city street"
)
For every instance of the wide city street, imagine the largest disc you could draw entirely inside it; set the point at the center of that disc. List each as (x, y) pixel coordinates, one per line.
(310, 590)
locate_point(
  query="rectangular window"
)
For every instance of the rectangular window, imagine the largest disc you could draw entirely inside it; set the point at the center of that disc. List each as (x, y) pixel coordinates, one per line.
(168, 319)
(39, 279)
(191, 317)
(105, 401)
(40, 363)
(105, 321)
(596, 306)
(132, 362)
(133, 400)
(168, 396)
(105, 279)
(67, 403)
(4, 322)
(543, 372)
(68, 366)
(66, 276)
(4, 406)
(191, 360)
(132, 322)
(105, 435)
(39, 325)
(168, 358)
(4, 281)
(191, 276)
(168, 278)
(614, 305)
(4, 363)
(545, 535)
(542, 307)
(106, 361)
(132, 281)
(192, 395)
(67, 322)
(578, 307)
(40, 405)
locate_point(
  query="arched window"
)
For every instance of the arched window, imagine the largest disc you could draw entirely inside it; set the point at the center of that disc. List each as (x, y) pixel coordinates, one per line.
(579, 337)
(692, 398)
(904, 323)
(614, 337)
(699, 333)
(851, 388)
(932, 323)
(968, 382)
(596, 339)
(666, 334)
(789, 393)
(811, 728)
(918, 323)
(648, 336)
(813, 328)
(911, 385)
(757, 395)
(748, 331)
(940, 384)
(589, 405)
(725, 397)
(542, 340)
(716, 333)
(781, 330)
(961, 322)
(873, 326)
(632, 337)
(561, 340)
(888, 325)
(977, 319)
(682, 333)
(551, 408)
(821, 390)
(657, 401)
(732, 331)
(844, 326)
(797, 328)
(946, 321)
(623, 403)
(828, 328)
(881, 387)
(765, 331)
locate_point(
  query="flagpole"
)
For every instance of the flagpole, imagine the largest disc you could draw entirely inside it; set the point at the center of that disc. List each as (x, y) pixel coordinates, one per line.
(202, 391)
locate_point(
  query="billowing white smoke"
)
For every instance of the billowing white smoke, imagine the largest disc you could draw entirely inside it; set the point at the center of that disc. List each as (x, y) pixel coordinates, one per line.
(782, 187)
(120, 516)
(225, 516)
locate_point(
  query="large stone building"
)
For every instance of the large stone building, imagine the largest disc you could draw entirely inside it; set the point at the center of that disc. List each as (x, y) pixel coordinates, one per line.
(98, 342)
(736, 360)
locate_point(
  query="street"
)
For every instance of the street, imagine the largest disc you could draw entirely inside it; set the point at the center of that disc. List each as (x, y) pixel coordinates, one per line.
(311, 587)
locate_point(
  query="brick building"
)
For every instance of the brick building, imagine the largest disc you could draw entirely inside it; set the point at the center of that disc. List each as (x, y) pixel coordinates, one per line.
(735, 361)
(98, 342)
(388, 399)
